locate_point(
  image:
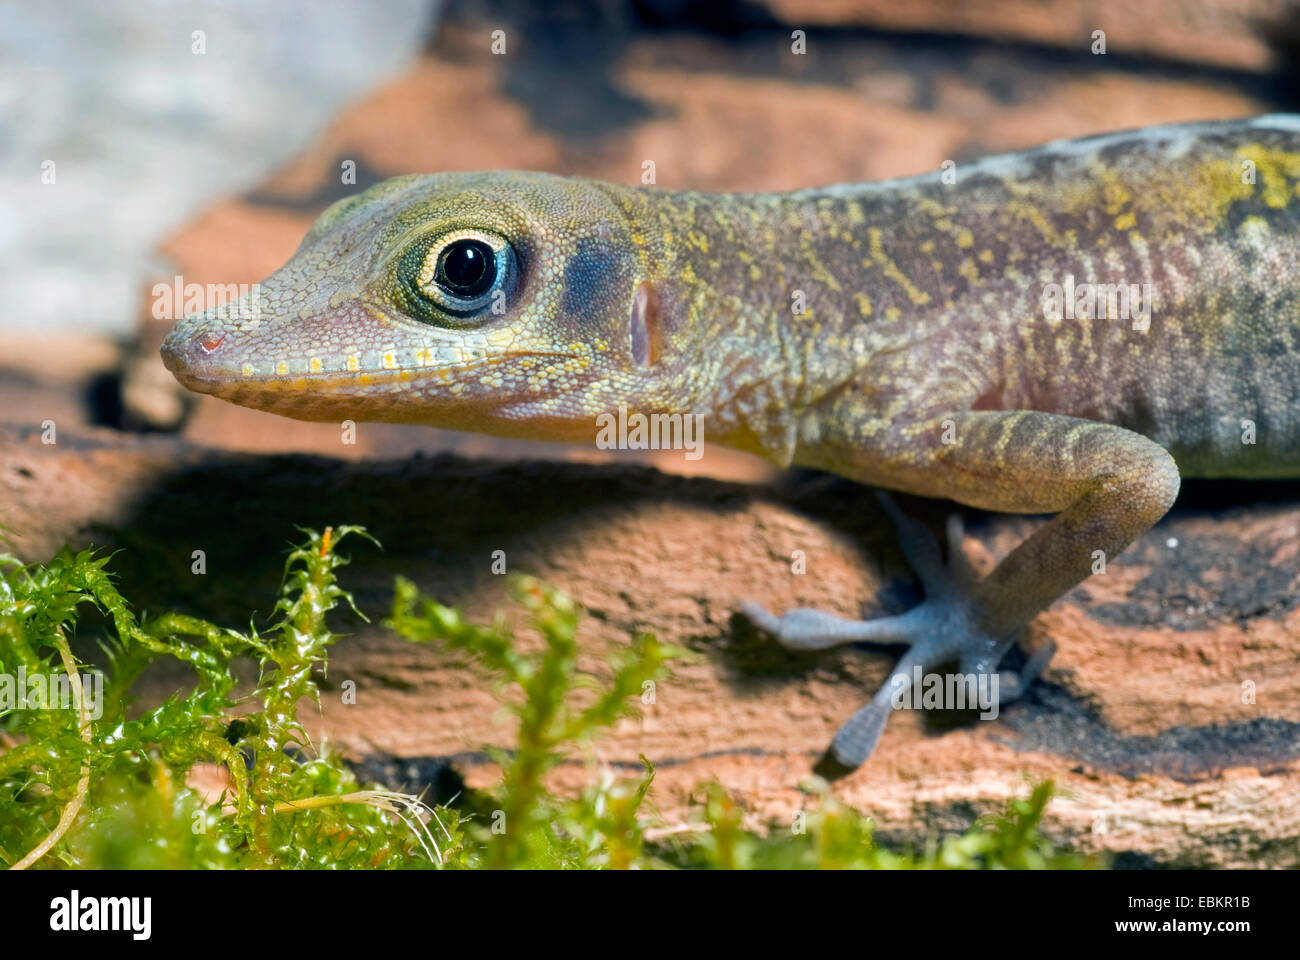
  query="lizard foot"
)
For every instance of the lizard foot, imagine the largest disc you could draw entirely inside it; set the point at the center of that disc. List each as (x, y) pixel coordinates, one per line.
(941, 629)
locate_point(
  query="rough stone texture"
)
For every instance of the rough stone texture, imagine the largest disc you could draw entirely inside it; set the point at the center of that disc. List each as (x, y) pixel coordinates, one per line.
(1140, 717)
(1243, 34)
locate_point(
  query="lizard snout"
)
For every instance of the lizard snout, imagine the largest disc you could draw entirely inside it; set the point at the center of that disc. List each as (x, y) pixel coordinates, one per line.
(192, 357)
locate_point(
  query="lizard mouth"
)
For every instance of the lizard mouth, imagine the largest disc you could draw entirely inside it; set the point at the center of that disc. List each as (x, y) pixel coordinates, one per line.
(221, 384)
(447, 396)
(188, 360)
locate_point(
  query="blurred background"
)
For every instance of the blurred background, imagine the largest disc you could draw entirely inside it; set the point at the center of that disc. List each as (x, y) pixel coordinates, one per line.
(200, 139)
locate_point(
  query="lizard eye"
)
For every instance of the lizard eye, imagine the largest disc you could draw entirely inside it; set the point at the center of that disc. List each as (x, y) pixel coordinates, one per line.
(466, 268)
(460, 273)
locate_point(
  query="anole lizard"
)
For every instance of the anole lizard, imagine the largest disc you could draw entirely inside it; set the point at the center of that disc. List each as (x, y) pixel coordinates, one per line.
(1061, 331)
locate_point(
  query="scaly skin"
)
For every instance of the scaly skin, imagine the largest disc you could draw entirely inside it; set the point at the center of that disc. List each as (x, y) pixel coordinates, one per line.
(923, 360)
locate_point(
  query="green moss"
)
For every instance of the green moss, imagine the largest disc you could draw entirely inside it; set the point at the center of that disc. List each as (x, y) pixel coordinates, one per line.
(112, 792)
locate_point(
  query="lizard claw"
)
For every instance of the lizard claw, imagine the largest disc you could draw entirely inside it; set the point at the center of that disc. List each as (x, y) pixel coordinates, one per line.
(940, 629)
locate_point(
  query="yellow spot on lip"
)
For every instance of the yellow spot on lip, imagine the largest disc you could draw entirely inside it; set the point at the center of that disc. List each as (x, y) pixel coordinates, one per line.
(354, 363)
(282, 368)
(315, 365)
(248, 369)
(390, 362)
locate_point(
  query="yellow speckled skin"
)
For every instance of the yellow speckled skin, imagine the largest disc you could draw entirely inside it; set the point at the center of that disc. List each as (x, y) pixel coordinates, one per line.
(922, 360)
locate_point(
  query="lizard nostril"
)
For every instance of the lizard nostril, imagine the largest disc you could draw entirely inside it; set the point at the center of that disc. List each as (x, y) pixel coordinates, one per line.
(190, 352)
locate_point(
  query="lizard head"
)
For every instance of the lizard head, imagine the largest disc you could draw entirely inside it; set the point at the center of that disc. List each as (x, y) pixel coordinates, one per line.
(506, 303)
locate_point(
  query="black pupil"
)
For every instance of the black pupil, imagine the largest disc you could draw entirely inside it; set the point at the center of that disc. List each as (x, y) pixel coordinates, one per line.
(468, 267)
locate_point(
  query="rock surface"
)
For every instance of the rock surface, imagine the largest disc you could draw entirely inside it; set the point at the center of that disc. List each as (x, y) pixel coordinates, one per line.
(1141, 716)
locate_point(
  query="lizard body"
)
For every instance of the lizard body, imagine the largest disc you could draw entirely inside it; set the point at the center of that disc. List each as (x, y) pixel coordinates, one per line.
(932, 335)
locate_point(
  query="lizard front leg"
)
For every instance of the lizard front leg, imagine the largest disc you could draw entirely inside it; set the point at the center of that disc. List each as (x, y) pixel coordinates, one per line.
(1106, 485)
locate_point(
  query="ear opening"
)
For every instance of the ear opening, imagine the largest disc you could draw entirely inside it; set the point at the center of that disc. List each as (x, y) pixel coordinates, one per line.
(645, 325)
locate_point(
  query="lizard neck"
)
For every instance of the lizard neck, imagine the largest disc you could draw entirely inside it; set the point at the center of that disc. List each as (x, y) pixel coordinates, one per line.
(770, 304)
